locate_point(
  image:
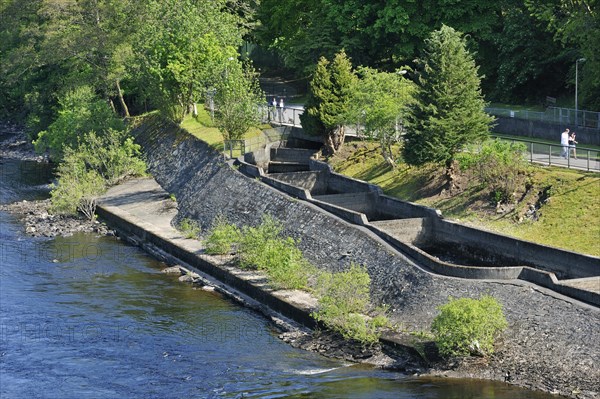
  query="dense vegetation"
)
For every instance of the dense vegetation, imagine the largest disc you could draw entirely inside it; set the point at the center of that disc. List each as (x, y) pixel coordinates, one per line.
(526, 48)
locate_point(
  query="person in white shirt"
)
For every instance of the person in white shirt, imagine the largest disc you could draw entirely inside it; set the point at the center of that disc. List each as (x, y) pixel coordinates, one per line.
(564, 142)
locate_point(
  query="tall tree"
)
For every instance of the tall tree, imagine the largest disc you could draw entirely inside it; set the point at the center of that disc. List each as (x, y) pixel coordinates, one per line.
(183, 46)
(449, 111)
(329, 100)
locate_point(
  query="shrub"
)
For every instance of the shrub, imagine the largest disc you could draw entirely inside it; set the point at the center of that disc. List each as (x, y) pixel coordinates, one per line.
(499, 164)
(189, 228)
(344, 303)
(80, 111)
(222, 237)
(77, 189)
(85, 172)
(262, 248)
(468, 326)
(255, 242)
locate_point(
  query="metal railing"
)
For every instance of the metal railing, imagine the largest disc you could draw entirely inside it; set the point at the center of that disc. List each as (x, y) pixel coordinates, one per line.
(558, 155)
(286, 116)
(564, 116)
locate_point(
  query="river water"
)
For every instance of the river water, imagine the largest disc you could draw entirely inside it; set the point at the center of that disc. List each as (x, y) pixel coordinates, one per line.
(92, 317)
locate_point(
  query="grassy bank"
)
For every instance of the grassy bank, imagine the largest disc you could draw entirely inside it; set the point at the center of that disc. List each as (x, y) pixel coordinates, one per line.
(560, 208)
(204, 128)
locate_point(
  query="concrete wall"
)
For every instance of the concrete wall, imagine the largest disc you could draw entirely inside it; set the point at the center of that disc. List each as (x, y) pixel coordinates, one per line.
(358, 202)
(313, 181)
(564, 263)
(545, 130)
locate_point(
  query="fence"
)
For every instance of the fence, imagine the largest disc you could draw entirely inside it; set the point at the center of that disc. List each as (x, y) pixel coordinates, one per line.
(564, 116)
(286, 116)
(555, 154)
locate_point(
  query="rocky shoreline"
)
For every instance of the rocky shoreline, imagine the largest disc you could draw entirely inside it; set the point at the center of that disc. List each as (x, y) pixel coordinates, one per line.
(39, 222)
(37, 219)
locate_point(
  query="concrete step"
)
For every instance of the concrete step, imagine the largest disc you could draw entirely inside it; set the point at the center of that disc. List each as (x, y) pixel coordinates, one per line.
(403, 230)
(287, 167)
(299, 155)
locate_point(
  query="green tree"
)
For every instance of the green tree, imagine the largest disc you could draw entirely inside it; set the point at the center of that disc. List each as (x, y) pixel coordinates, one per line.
(80, 112)
(449, 111)
(576, 26)
(237, 99)
(329, 100)
(380, 105)
(184, 44)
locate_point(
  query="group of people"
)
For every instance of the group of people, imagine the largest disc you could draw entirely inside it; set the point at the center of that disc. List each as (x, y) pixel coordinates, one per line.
(567, 141)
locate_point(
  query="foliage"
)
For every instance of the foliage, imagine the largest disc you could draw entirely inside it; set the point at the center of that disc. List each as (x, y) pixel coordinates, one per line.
(78, 187)
(449, 111)
(380, 105)
(576, 26)
(262, 248)
(221, 237)
(344, 302)
(184, 45)
(85, 172)
(80, 112)
(468, 326)
(329, 99)
(500, 165)
(237, 99)
(189, 228)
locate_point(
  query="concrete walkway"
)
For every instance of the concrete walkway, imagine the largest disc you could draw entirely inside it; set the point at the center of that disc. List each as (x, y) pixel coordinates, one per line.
(144, 211)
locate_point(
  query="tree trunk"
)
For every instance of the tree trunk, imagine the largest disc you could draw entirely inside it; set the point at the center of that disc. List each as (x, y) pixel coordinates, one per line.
(335, 139)
(121, 99)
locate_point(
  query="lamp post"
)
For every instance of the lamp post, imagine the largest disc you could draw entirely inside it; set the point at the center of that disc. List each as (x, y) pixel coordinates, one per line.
(576, 82)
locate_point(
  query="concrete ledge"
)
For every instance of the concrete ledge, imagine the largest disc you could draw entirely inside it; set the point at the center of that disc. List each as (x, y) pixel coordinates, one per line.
(346, 214)
(143, 233)
(287, 188)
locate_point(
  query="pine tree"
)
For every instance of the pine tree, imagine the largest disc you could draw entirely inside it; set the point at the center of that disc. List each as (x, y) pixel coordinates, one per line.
(449, 112)
(328, 101)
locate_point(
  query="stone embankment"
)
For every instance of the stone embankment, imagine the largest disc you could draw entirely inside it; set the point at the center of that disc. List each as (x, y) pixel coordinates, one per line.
(551, 343)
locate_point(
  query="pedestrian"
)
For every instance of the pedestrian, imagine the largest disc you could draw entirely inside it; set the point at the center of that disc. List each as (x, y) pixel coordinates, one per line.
(572, 143)
(281, 109)
(274, 107)
(564, 142)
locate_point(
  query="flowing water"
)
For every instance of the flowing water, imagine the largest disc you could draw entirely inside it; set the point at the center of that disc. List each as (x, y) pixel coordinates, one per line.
(92, 317)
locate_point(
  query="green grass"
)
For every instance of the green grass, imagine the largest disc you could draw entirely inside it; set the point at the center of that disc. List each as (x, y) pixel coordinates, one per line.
(203, 128)
(569, 220)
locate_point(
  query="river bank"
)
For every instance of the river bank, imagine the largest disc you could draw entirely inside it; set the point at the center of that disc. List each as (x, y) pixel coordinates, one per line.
(35, 214)
(551, 344)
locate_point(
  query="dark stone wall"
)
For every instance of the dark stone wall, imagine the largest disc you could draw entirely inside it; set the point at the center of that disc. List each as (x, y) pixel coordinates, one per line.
(559, 337)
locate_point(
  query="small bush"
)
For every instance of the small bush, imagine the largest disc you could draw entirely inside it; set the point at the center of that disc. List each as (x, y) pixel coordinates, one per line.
(77, 189)
(499, 164)
(255, 242)
(468, 326)
(222, 237)
(262, 248)
(344, 303)
(189, 228)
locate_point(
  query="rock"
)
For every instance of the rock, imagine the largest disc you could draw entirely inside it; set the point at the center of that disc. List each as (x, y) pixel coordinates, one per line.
(186, 278)
(173, 270)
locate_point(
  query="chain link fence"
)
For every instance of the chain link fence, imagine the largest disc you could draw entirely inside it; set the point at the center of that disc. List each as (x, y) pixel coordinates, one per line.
(564, 116)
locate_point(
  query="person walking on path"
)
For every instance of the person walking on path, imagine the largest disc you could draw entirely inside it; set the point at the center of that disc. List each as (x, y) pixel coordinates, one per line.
(572, 143)
(564, 142)
(273, 111)
(281, 110)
